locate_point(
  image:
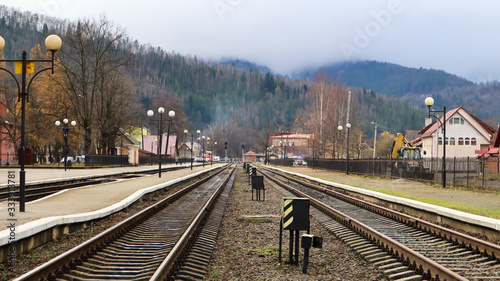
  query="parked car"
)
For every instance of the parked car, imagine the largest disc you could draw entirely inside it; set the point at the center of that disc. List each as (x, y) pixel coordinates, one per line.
(69, 159)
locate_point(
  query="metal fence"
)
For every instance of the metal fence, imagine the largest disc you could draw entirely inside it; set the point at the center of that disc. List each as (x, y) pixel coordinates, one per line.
(153, 160)
(8, 159)
(468, 172)
(281, 162)
(106, 160)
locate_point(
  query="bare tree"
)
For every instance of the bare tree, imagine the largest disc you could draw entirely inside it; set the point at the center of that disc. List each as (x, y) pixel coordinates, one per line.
(327, 110)
(221, 132)
(94, 78)
(10, 117)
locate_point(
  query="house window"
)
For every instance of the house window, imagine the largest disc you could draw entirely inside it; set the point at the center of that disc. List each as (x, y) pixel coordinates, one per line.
(440, 141)
(467, 141)
(452, 141)
(460, 141)
(446, 141)
(473, 141)
(456, 120)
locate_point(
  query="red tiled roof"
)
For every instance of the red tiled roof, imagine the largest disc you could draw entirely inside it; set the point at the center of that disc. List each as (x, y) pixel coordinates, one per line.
(493, 150)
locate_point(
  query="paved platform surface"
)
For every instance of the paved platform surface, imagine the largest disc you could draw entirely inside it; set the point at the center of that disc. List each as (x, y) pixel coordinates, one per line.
(87, 202)
(40, 174)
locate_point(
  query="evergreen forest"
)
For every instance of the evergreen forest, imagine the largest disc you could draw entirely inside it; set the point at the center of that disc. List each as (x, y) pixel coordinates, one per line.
(232, 101)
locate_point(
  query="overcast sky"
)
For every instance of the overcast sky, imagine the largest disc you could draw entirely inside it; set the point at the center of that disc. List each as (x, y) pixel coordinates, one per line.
(460, 37)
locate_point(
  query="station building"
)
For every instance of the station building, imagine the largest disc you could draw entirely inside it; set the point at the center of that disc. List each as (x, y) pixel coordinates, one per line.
(291, 145)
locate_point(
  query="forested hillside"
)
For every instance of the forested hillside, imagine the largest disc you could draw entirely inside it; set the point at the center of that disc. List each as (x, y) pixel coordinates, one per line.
(217, 93)
(392, 79)
(413, 85)
(231, 103)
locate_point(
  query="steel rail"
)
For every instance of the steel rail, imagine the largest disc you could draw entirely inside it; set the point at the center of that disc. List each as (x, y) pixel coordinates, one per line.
(169, 264)
(71, 258)
(421, 264)
(480, 246)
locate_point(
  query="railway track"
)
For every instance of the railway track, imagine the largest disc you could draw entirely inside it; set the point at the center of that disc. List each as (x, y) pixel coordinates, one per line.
(36, 191)
(151, 245)
(406, 248)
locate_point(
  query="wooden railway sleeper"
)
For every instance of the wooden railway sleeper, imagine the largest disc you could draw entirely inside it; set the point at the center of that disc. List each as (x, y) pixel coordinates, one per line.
(357, 225)
(431, 228)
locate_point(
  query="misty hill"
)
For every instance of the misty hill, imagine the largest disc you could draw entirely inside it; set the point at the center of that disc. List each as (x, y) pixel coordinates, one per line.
(231, 92)
(392, 79)
(244, 64)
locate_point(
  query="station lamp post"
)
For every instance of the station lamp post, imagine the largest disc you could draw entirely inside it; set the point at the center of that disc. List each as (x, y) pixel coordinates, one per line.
(159, 124)
(208, 147)
(24, 66)
(340, 128)
(192, 140)
(65, 129)
(203, 151)
(213, 151)
(282, 153)
(429, 101)
(348, 126)
(198, 132)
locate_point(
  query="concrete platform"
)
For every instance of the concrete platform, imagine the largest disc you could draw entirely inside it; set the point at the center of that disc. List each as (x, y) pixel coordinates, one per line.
(35, 175)
(81, 204)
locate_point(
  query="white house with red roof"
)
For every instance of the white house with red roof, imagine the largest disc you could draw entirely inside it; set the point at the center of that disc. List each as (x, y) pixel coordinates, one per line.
(465, 134)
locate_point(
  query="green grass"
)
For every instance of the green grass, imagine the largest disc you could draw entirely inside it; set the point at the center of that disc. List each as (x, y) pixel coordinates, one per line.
(266, 251)
(214, 273)
(491, 213)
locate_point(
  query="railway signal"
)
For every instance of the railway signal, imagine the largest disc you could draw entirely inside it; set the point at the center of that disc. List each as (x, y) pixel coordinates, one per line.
(295, 217)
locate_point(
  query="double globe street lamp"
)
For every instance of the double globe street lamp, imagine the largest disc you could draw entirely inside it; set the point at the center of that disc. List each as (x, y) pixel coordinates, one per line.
(25, 66)
(159, 124)
(65, 131)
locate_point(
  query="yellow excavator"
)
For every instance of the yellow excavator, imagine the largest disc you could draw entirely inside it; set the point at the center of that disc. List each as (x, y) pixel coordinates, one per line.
(408, 158)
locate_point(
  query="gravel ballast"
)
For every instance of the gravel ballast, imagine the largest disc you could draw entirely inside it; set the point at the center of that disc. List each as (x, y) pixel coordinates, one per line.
(247, 245)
